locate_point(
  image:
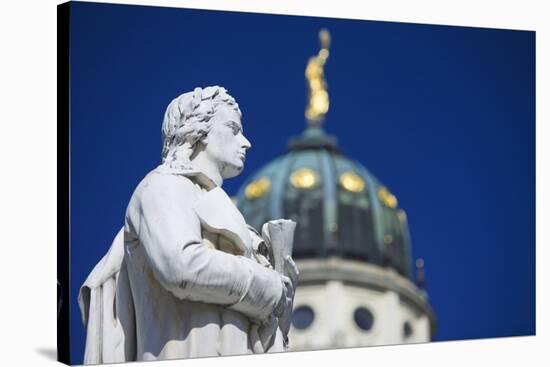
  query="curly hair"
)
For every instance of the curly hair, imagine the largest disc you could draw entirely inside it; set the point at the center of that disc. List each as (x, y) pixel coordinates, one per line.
(187, 120)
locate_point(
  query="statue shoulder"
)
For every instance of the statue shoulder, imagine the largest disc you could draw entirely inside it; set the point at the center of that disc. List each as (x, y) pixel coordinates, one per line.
(156, 185)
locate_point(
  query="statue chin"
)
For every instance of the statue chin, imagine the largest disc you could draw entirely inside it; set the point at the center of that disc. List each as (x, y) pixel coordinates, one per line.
(230, 170)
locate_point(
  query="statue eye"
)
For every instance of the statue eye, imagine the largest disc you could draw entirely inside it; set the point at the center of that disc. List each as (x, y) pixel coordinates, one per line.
(235, 128)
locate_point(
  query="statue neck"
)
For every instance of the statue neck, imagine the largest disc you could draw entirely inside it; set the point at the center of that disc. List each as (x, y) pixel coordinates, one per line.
(209, 168)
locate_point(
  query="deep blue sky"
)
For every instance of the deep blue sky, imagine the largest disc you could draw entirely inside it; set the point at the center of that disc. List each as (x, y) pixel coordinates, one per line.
(444, 116)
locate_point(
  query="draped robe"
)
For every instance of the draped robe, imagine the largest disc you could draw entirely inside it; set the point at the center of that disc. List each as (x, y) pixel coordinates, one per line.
(183, 278)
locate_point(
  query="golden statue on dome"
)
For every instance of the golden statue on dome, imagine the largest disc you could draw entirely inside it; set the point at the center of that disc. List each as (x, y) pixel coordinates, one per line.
(318, 101)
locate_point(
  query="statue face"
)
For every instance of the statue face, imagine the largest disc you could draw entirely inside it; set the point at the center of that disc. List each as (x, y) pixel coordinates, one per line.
(225, 143)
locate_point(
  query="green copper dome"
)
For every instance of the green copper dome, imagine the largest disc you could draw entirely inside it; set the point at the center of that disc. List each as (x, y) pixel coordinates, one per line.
(340, 208)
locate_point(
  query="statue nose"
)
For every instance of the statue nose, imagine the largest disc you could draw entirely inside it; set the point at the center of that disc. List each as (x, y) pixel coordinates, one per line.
(246, 144)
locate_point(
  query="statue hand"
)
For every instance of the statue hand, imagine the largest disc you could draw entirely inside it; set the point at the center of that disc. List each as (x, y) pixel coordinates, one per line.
(287, 297)
(292, 271)
(283, 310)
(290, 283)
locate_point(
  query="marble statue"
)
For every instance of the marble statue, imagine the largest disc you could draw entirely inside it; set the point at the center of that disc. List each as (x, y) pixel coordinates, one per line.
(186, 276)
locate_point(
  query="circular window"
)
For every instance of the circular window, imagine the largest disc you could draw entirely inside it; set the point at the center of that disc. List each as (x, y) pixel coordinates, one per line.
(407, 329)
(363, 318)
(304, 178)
(257, 188)
(351, 182)
(302, 317)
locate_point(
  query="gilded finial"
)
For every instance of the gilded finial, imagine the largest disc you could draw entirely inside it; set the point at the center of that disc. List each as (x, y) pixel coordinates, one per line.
(318, 101)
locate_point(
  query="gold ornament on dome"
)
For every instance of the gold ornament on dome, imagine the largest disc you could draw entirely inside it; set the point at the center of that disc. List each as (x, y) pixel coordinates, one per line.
(318, 99)
(304, 178)
(257, 188)
(352, 182)
(387, 198)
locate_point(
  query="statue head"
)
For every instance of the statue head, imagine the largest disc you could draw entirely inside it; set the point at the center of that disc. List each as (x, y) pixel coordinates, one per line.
(204, 126)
